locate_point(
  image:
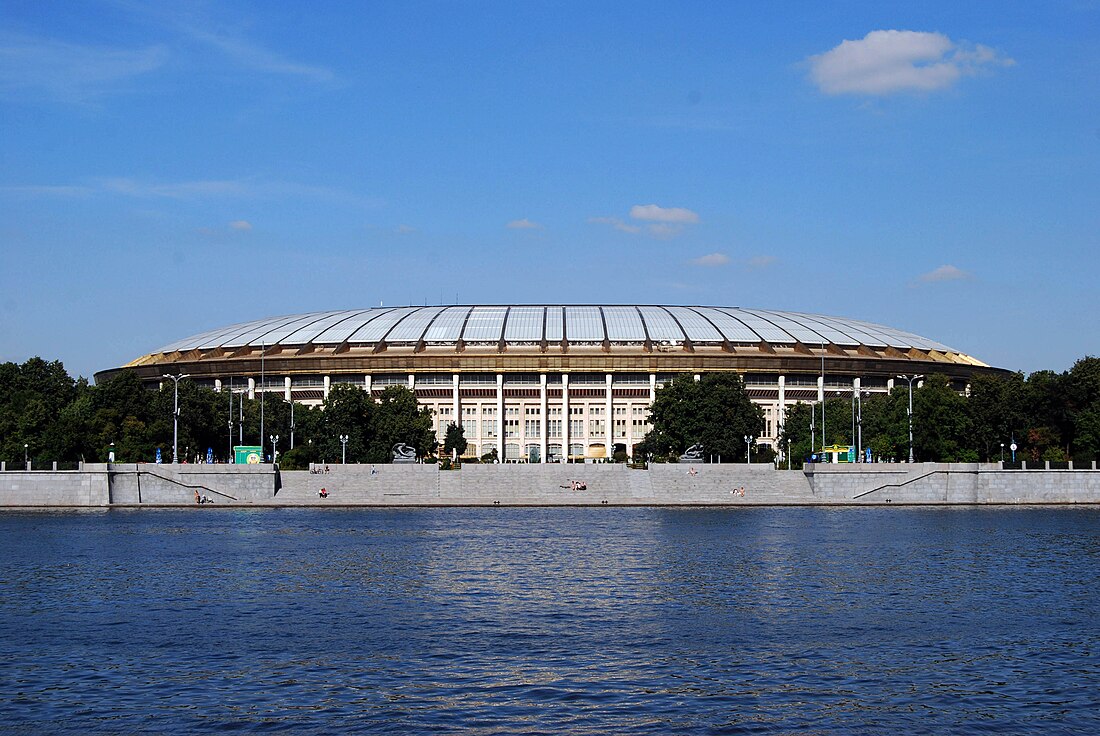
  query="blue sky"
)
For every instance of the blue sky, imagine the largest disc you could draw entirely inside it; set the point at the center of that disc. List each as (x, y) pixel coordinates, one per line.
(166, 168)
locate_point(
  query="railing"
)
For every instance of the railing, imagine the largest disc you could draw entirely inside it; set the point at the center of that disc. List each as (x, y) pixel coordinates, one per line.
(192, 487)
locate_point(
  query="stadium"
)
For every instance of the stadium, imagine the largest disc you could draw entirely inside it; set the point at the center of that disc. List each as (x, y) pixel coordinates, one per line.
(537, 382)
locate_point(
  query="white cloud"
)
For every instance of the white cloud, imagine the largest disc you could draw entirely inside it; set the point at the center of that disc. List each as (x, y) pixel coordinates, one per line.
(191, 23)
(523, 224)
(761, 261)
(404, 229)
(944, 273)
(245, 188)
(71, 72)
(885, 62)
(654, 213)
(616, 223)
(242, 225)
(711, 259)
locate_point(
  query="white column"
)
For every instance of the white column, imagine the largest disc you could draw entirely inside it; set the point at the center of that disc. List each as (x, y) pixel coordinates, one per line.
(500, 416)
(286, 388)
(366, 384)
(610, 425)
(652, 387)
(252, 389)
(454, 399)
(328, 385)
(544, 421)
(412, 381)
(565, 418)
(889, 385)
(781, 418)
(820, 388)
(218, 386)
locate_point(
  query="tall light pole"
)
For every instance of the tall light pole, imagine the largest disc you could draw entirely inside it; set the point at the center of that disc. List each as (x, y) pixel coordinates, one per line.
(859, 422)
(343, 449)
(788, 453)
(230, 423)
(748, 449)
(910, 379)
(813, 435)
(292, 424)
(823, 394)
(263, 379)
(26, 461)
(274, 447)
(176, 413)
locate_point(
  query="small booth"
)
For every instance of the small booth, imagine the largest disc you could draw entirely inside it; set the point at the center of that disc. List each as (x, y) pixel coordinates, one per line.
(248, 455)
(837, 454)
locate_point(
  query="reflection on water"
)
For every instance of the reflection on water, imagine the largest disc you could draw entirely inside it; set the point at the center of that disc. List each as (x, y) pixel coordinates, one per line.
(551, 620)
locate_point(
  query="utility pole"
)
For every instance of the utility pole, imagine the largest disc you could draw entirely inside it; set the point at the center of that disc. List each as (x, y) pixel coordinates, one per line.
(176, 413)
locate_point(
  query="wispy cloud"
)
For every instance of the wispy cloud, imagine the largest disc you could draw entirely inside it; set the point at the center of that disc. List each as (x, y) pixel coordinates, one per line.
(240, 225)
(404, 229)
(68, 72)
(616, 223)
(220, 36)
(662, 222)
(886, 62)
(655, 213)
(711, 259)
(245, 188)
(523, 224)
(761, 261)
(946, 272)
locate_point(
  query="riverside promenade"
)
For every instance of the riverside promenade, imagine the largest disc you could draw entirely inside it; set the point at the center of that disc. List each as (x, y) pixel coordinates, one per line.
(118, 485)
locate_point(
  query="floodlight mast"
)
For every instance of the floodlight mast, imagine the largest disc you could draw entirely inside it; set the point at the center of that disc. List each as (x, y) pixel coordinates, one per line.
(176, 413)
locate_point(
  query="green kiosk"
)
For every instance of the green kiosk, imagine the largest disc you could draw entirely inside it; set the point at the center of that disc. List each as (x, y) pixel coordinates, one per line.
(248, 455)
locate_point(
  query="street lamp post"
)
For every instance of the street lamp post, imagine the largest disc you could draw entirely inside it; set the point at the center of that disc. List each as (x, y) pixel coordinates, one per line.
(26, 460)
(292, 424)
(859, 423)
(274, 447)
(748, 449)
(910, 379)
(1002, 452)
(813, 435)
(343, 449)
(176, 413)
(788, 453)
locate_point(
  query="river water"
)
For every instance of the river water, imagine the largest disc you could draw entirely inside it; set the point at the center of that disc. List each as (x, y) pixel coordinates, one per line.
(513, 620)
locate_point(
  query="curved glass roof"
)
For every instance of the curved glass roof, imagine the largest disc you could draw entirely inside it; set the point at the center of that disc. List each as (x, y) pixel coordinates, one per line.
(553, 323)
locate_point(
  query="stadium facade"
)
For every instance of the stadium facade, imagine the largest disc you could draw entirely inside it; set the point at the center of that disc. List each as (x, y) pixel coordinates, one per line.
(536, 382)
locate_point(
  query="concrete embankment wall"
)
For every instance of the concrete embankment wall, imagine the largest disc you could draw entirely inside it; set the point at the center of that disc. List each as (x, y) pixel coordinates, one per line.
(485, 485)
(177, 484)
(86, 487)
(951, 483)
(549, 484)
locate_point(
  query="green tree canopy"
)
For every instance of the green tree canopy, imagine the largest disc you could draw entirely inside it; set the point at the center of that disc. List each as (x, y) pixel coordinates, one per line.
(715, 412)
(455, 441)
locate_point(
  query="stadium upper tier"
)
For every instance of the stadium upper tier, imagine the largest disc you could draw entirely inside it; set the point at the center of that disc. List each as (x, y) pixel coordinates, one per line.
(503, 326)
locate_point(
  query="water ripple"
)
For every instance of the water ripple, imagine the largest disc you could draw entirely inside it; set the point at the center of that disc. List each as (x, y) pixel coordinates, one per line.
(528, 621)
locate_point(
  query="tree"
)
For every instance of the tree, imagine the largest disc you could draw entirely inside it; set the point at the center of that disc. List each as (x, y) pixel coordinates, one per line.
(455, 441)
(941, 425)
(348, 411)
(715, 412)
(398, 418)
(997, 409)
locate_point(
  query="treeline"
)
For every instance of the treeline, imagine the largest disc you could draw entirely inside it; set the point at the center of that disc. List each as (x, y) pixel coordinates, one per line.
(1049, 416)
(54, 417)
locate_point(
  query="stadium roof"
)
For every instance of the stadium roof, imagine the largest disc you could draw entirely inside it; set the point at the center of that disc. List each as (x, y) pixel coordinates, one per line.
(527, 324)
